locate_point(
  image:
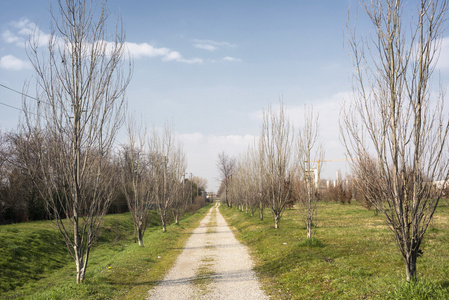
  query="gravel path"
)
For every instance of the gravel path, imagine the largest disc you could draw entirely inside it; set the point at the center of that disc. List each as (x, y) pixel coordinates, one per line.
(213, 265)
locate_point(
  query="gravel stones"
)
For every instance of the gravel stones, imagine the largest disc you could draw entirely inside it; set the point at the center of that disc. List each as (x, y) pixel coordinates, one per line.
(213, 265)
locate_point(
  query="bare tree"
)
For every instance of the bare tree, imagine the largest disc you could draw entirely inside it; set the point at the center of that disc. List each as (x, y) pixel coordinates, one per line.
(226, 166)
(182, 200)
(262, 186)
(168, 164)
(200, 182)
(251, 182)
(134, 160)
(81, 87)
(309, 150)
(394, 130)
(4, 204)
(276, 150)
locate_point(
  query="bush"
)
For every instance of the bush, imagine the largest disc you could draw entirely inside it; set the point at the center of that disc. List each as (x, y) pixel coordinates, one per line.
(198, 203)
(419, 289)
(338, 193)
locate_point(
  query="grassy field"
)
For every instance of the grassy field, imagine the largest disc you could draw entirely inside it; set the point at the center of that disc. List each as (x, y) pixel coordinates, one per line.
(34, 263)
(353, 256)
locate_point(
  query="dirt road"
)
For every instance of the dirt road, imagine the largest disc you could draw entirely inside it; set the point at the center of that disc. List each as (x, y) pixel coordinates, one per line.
(213, 265)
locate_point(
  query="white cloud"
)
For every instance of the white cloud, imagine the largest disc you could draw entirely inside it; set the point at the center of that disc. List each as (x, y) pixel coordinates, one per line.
(202, 152)
(20, 32)
(146, 50)
(231, 59)
(443, 61)
(10, 62)
(11, 38)
(206, 47)
(211, 45)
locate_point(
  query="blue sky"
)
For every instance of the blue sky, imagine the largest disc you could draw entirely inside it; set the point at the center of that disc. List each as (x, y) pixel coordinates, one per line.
(210, 67)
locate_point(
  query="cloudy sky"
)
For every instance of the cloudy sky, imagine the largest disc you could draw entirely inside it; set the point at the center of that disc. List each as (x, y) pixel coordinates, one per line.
(210, 67)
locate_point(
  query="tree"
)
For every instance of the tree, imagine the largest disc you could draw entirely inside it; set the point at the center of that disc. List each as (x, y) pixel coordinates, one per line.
(167, 163)
(276, 160)
(81, 88)
(201, 183)
(135, 178)
(226, 166)
(251, 180)
(309, 150)
(394, 130)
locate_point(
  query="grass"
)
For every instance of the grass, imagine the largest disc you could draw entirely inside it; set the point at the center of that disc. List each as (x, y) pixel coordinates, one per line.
(353, 255)
(204, 273)
(118, 268)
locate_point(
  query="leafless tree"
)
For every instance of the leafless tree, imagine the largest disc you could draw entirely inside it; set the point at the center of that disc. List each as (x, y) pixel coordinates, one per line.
(226, 166)
(310, 151)
(200, 182)
(81, 87)
(3, 176)
(251, 183)
(168, 165)
(134, 160)
(181, 201)
(394, 129)
(262, 191)
(276, 149)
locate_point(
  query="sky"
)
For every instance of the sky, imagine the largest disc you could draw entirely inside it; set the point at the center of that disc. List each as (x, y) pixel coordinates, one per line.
(210, 67)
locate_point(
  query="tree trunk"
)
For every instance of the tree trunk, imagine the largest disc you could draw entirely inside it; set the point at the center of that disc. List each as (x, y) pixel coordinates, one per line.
(277, 217)
(309, 227)
(410, 266)
(261, 210)
(164, 223)
(309, 219)
(80, 266)
(140, 237)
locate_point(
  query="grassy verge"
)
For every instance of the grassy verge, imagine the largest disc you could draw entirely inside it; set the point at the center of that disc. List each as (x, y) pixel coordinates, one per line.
(353, 256)
(118, 268)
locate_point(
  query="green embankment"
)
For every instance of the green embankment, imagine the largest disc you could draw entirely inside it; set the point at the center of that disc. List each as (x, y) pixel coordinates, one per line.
(34, 263)
(354, 255)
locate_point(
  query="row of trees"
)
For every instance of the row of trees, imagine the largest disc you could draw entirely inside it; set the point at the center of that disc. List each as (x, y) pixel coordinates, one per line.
(21, 200)
(153, 172)
(140, 178)
(266, 176)
(395, 131)
(62, 155)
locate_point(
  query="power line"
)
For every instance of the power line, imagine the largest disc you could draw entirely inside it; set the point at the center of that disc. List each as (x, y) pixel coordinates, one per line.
(39, 101)
(17, 108)
(23, 94)
(11, 106)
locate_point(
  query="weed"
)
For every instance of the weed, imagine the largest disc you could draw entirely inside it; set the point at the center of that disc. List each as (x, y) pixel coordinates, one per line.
(418, 290)
(313, 242)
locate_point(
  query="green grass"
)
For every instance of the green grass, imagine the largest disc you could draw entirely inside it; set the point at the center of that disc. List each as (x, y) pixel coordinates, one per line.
(34, 263)
(353, 255)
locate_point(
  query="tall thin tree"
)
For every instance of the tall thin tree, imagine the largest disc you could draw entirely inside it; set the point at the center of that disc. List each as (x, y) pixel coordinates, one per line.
(134, 159)
(226, 166)
(394, 129)
(81, 83)
(310, 151)
(277, 149)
